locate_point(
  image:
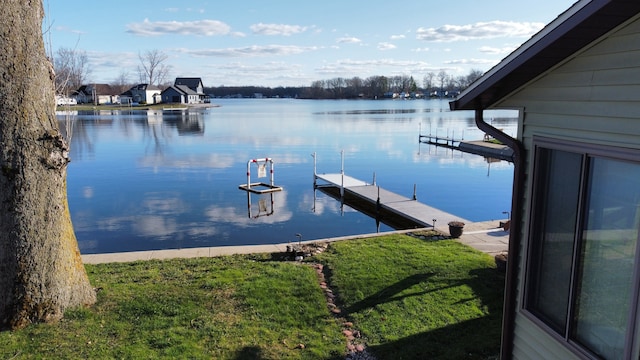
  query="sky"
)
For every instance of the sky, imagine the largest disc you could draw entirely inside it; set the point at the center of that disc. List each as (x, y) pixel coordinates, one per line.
(294, 43)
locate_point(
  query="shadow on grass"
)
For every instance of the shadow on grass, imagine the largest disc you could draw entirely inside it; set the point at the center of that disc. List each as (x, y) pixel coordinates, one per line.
(388, 294)
(473, 339)
(249, 353)
(477, 338)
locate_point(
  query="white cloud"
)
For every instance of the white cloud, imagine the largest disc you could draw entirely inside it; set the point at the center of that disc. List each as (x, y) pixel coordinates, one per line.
(397, 37)
(118, 61)
(69, 30)
(238, 73)
(255, 50)
(349, 66)
(471, 62)
(496, 51)
(277, 29)
(199, 27)
(269, 67)
(384, 62)
(348, 40)
(386, 46)
(479, 30)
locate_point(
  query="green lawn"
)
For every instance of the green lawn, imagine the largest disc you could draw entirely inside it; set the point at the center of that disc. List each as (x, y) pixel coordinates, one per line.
(416, 299)
(409, 298)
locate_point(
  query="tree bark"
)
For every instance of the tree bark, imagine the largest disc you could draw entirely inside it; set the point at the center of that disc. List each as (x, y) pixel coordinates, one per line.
(41, 271)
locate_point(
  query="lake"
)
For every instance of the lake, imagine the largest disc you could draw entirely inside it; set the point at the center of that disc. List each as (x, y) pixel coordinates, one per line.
(145, 180)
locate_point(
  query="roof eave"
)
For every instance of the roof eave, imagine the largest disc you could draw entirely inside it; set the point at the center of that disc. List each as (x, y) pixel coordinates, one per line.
(566, 35)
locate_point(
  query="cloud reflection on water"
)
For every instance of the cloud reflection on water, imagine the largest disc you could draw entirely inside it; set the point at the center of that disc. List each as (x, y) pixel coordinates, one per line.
(140, 179)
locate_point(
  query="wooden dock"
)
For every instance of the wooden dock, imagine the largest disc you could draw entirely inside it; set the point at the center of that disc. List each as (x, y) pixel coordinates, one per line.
(443, 141)
(381, 200)
(480, 147)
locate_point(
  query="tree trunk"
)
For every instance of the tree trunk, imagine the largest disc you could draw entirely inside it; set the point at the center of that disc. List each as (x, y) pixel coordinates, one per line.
(41, 272)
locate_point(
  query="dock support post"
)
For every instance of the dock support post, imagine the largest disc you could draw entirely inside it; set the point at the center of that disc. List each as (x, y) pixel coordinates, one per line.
(374, 178)
(415, 196)
(341, 173)
(249, 175)
(315, 173)
(271, 170)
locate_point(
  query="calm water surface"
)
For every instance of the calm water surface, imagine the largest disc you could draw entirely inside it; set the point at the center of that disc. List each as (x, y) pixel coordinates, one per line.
(142, 181)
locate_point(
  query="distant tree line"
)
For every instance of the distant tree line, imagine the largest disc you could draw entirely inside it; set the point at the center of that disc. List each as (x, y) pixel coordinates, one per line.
(72, 71)
(253, 91)
(433, 84)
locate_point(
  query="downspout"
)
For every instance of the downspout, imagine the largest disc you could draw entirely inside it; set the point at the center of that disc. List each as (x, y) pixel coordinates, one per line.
(515, 232)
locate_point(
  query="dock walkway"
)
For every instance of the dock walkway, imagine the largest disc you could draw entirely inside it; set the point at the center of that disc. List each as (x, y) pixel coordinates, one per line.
(376, 196)
(478, 147)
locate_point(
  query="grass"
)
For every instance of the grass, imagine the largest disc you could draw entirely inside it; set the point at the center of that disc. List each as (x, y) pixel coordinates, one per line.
(413, 299)
(409, 298)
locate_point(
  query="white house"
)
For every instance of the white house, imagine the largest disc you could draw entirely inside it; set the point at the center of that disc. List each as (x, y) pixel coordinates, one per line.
(142, 94)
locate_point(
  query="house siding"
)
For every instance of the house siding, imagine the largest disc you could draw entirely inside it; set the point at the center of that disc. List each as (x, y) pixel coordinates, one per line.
(171, 95)
(592, 97)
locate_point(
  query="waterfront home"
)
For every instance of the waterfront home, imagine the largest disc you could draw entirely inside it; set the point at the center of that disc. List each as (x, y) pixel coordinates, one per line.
(185, 91)
(96, 94)
(573, 274)
(179, 95)
(194, 84)
(141, 94)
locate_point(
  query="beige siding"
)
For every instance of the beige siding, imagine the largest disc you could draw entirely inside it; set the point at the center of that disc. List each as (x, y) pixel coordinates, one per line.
(593, 97)
(543, 347)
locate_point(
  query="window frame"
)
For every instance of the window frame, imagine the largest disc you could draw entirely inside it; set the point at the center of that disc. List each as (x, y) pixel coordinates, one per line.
(587, 151)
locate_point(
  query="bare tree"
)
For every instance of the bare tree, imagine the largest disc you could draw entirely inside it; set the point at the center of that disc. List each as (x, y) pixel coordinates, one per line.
(427, 81)
(41, 271)
(337, 86)
(377, 85)
(443, 77)
(395, 83)
(473, 75)
(122, 82)
(354, 87)
(152, 68)
(71, 68)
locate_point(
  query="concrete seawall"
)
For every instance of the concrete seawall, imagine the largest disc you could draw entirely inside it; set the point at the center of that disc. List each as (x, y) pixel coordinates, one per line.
(484, 236)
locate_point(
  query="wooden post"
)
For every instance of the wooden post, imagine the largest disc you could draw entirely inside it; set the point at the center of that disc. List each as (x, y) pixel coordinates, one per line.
(342, 173)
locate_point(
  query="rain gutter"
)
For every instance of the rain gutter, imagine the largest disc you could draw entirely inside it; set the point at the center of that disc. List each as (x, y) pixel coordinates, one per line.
(515, 232)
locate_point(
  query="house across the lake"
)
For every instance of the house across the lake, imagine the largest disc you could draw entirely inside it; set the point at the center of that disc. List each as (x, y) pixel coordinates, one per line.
(573, 274)
(185, 91)
(141, 94)
(97, 94)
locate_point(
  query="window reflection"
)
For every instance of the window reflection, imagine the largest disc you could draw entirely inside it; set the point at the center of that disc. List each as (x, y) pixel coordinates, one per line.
(608, 256)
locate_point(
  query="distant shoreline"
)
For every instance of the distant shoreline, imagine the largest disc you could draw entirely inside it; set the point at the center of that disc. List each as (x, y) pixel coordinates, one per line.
(161, 106)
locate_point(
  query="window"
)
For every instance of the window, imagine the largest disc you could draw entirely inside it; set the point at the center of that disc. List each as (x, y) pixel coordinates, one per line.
(583, 275)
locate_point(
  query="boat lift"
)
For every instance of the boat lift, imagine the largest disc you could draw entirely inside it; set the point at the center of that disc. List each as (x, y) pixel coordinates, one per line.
(260, 187)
